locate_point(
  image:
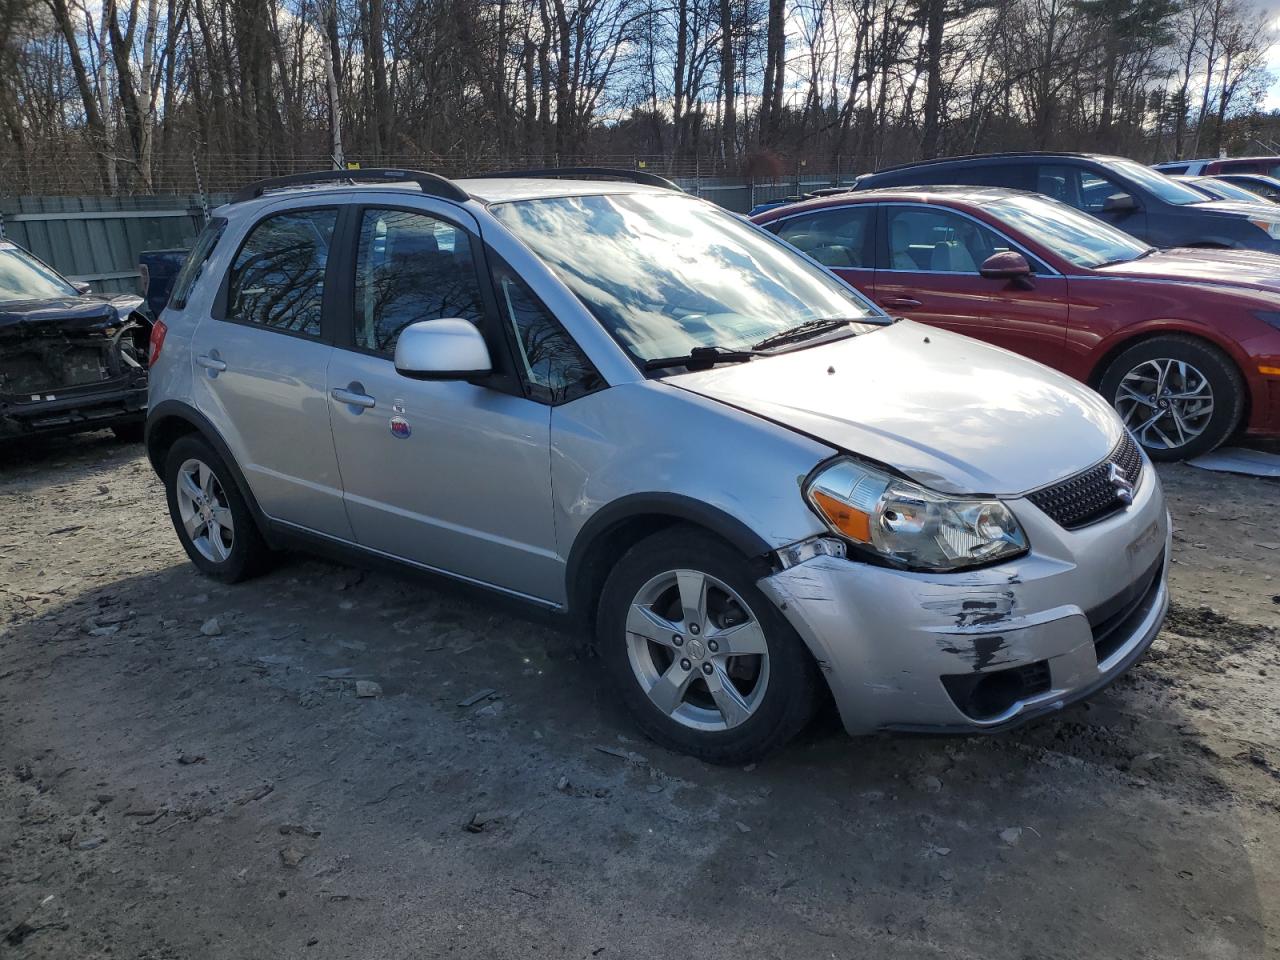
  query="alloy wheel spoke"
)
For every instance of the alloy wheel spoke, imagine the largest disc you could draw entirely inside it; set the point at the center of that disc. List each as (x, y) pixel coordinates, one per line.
(194, 525)
(189, 486)
(693, 598)
(643, 622)
(745, 639)
(728, 700)
(668, 692)
(222, 516)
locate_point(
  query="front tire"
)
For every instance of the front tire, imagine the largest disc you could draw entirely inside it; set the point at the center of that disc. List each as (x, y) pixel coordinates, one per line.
(211, 518)
(700, 657)
(1181, 397)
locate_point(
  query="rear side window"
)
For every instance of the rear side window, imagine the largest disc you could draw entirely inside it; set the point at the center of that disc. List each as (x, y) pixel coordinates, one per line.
(277, 279)
(411, 267)
(193, 266)
(838, 238)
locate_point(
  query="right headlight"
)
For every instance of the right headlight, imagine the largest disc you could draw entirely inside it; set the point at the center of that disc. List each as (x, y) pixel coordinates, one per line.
(1272, 227)
(909, 525)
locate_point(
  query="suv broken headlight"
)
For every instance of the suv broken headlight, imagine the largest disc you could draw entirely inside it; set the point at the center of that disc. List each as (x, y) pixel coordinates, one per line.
(909, 525)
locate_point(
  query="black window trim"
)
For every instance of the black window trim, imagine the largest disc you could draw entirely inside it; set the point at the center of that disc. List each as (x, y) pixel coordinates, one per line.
(882, 243)
(332, 269)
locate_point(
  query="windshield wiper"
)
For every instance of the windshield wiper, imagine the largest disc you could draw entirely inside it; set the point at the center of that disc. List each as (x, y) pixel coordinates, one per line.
(805, 331)
(701, 358)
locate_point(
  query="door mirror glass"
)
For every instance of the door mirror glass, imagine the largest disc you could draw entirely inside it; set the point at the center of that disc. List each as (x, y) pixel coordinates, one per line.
(82, 288)
(1006, 265)
(448, 349)
(1119, 203)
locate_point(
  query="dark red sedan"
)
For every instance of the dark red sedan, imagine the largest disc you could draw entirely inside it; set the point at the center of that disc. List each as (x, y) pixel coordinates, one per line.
(1185, 343)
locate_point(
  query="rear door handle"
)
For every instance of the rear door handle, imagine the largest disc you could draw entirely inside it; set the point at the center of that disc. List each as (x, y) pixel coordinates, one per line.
(905, 303)
(353, 396)
(211, 362)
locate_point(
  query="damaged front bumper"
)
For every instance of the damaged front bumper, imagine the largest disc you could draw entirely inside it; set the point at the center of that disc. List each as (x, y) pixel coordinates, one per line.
(987, 649)
(93, 407)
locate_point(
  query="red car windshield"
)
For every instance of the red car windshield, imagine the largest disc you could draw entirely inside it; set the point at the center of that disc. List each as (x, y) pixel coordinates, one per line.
(1072, 235)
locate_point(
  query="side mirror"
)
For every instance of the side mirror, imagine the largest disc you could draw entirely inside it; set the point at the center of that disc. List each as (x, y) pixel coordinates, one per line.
(1119, 203)
(448, 349)
(82, 288)
(1006, 265)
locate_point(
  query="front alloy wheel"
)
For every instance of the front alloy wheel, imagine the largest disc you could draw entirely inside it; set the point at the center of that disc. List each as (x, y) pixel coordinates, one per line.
(1165, 403)
(697, 650)
(701, 658)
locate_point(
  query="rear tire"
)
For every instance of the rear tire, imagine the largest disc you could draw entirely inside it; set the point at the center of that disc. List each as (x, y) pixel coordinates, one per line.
(1181, 397)
(673, 612)
(210, 516)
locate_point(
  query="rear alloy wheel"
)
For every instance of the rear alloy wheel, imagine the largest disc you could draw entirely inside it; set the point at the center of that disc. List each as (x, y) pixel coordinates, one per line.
(1179, 397)
(210, 516)
(702, 659)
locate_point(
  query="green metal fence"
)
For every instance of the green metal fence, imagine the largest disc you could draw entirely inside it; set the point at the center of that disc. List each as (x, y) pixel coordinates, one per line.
(98, 239)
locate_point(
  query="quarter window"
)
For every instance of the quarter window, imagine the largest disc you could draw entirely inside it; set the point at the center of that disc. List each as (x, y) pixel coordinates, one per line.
(277, 279)
(410, 267)
(193, 266)
(553, 365)
(938, 241)
(835, 238)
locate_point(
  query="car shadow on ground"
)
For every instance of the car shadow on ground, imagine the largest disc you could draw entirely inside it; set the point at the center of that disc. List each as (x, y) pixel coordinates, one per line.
(493, 767)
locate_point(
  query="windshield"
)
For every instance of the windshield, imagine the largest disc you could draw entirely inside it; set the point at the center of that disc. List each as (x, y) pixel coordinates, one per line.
(23, 277)
(1166, 188)
(666, 273)
(1221, 190)
(1072, 235)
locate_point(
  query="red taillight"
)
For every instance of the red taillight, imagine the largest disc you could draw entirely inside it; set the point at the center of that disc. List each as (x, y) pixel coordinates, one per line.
(158, 330)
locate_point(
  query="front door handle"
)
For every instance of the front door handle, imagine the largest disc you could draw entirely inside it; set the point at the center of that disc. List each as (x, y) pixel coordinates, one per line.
(353, 395)
(903, 303)
(210, 361)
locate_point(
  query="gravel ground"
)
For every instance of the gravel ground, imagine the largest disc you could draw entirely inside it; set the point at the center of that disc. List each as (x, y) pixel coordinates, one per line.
(189, 770)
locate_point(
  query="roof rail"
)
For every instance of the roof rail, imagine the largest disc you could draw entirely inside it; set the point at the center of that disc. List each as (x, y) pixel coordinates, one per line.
(635, 176)
(430, 183)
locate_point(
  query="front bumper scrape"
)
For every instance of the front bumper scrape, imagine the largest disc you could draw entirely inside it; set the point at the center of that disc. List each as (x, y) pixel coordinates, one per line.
(900, 649)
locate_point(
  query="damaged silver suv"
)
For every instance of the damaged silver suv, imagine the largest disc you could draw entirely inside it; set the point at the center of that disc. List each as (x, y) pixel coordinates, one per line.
(622, 403)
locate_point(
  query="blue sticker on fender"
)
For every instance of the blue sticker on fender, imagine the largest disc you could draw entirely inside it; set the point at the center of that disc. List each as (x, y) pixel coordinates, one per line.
(400, 427)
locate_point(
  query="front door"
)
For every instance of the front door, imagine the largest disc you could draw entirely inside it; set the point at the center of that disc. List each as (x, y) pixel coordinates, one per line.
(259, 368)
(452, 475)
(931, 274)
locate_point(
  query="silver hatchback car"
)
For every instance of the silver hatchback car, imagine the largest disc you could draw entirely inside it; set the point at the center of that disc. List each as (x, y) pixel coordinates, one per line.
(619, 402)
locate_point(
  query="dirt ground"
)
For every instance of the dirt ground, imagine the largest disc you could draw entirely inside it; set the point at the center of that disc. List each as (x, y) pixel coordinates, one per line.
(187, 771)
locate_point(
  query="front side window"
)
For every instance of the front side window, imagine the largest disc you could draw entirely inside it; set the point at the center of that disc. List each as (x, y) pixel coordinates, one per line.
(1074, 236)
(277, 279)
(410, 267)
(936, 240)
(837, 238)
(1077, 187)
(554, 366)
(665, 273)
(23, 277)
(193, 266)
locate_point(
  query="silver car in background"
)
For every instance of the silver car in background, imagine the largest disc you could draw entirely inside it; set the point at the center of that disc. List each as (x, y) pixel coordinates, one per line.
(621, 403)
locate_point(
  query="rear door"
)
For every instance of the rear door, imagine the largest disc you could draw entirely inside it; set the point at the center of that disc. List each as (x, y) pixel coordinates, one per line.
(260, 363)
(452, 475)
(930, 259)
(840, 238)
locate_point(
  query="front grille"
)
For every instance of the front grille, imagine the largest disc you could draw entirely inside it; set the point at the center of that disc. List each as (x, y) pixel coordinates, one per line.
(1092, 495)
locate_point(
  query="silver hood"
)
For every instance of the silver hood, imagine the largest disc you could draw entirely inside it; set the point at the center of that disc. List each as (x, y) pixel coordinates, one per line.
(954, 414)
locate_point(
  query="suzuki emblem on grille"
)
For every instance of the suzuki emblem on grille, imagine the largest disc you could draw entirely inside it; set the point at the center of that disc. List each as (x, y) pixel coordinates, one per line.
(1121, 482)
